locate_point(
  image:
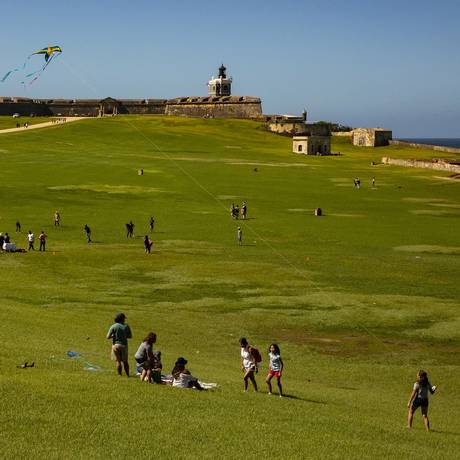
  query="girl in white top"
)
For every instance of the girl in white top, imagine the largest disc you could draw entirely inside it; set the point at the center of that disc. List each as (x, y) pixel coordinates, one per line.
(275, 368)
(419, 398)
(248, 364)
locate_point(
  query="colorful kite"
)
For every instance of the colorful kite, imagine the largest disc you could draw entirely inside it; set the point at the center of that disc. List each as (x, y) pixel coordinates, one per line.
(50, 53)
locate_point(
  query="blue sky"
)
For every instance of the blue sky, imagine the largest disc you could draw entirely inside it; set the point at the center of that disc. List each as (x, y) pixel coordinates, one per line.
(393, 64)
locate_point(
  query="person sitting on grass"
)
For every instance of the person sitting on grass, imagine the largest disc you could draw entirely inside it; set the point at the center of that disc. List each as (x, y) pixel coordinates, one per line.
(144, 356)
(182, 376)
(248, 364)
(419, 398)
(120, 332)
(157, 366)
(275, 367)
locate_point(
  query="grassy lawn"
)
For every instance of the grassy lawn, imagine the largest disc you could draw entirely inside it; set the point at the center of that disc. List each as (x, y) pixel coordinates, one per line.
(359, 299)
(10, 122)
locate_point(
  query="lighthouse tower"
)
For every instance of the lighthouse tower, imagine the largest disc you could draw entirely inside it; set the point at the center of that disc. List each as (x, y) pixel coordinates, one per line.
(220, 86)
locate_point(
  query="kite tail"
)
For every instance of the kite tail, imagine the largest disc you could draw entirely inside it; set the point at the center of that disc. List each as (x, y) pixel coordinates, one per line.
(37, 73)
(18, 69)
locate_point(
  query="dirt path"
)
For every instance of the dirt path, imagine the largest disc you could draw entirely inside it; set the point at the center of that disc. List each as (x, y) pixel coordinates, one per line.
(42, 125)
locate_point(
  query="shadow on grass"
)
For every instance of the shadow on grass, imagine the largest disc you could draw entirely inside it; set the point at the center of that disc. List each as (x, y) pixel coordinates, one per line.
(453, 433)
(298, 398)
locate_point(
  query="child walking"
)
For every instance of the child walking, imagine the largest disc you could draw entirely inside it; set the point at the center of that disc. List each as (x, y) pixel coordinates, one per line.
(419, 398)
(275, 368)
(248, 364)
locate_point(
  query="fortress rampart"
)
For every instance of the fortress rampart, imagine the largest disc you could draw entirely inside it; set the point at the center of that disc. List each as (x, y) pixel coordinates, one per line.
(217, 106)
(439, 164)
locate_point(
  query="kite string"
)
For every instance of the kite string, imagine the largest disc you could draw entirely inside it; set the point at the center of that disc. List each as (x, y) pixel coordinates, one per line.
(251, 229)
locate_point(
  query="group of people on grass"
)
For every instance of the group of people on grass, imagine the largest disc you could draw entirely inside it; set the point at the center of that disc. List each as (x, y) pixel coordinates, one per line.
(148, 361)
(7, 245)
(149, 367)
(357, 182)
(5, 239)
(236, 211)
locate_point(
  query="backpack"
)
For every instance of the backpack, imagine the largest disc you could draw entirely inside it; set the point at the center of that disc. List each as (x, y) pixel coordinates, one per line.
(256, 354)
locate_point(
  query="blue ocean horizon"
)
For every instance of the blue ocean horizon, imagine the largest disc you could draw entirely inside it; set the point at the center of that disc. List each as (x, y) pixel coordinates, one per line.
(444, 142)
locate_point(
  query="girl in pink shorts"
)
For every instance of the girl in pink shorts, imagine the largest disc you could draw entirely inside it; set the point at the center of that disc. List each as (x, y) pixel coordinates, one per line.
(275, 367)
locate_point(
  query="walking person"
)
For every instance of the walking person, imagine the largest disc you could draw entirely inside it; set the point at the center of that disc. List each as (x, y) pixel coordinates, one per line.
(42, 238)
(275, 368)
(248, 364)
(31, 240)
(419, 398)
(239, 236)
(18, 226)
(151, 224)
(119, 333)
(57, 219)
(148, 243)
(373, 182)
(87, 233)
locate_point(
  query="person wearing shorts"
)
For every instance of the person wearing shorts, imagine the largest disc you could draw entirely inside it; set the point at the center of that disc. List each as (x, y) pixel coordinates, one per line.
(119, 333)
(419, 398)
(275, 368)
(248, 364)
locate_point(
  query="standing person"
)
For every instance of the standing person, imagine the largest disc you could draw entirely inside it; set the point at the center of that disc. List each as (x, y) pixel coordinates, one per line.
(248, 364)
(239, 236)
(87, 233)
(419, 398)
(244, 210)
(144, 356)
(42, 238)
(31, 240)
(147, 244)
(275, 368)
(131, 229)
(18, 226)
(120, 332)
(151, 224)
(373, 182)
(57, 219)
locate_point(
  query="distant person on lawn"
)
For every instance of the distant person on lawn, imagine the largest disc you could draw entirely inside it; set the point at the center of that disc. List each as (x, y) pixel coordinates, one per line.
(57, 219)
(31, 240)
(148, 243)
(42, 238)
(248, 364)
(87, 233)
(239, 236)
(120, 332)
(419, 398)
(18, 226)
(152, 224)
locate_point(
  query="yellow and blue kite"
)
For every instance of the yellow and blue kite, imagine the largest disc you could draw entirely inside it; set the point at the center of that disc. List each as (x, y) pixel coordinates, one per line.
(50, 53)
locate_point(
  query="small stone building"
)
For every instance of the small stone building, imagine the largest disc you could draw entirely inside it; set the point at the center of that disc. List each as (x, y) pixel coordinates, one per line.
(371, 137)
(311, 145)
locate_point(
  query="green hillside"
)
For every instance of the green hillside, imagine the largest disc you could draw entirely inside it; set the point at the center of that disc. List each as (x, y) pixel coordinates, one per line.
(359, 299)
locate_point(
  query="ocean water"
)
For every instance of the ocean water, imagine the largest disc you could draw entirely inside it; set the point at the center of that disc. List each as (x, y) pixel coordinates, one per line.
(445, 142)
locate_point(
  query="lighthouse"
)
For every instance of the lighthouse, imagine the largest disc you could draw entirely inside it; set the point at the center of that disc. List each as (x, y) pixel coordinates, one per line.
(221, 85)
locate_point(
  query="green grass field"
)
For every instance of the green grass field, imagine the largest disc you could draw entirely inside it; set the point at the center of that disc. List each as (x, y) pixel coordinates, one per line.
(10, 122)
(359, 299)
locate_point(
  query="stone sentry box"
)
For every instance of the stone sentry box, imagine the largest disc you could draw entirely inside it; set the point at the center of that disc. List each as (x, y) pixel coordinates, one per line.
(311, 145)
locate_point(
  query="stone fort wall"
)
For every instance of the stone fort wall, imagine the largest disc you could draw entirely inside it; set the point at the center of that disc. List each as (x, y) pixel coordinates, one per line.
(218, 107)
